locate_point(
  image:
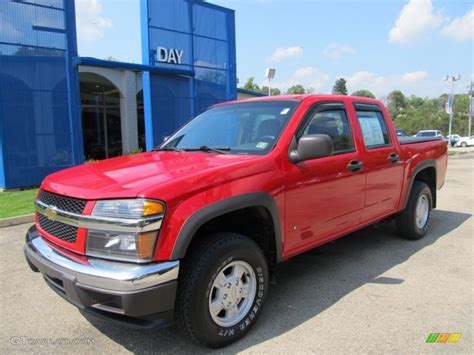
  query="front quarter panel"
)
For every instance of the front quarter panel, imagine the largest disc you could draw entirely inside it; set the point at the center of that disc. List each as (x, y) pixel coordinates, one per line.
(266, 181)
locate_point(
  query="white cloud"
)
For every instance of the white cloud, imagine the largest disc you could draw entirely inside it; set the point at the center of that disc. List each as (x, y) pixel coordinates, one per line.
(415, 82)
(367, 80)
(90, 22)
(336, 51)
(417, 20)
(309, 77)
(462, 28)
(414, 76)
(285, 53)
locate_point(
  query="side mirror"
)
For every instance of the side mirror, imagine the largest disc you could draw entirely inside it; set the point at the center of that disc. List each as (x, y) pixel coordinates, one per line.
(312, 146)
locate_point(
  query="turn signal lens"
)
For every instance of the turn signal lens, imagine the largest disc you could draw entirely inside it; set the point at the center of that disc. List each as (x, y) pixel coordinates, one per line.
(151, 208)
(146, 245)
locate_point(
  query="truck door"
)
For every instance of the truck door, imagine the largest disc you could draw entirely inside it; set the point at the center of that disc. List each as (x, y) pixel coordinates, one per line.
(382, 162)
(324, 196)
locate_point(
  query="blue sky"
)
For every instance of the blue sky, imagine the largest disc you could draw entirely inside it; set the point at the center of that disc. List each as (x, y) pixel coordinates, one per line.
(380, 45)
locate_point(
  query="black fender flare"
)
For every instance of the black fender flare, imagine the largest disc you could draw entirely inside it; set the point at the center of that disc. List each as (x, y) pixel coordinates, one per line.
(429, 163)
(193, 223)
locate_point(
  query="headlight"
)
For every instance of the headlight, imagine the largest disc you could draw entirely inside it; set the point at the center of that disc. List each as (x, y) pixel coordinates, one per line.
(129, 209)
(120, 245)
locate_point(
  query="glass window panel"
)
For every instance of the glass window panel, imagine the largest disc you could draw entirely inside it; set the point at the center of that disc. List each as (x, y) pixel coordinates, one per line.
(335, 124)
(373, 128)
(209, 22)
(170, 40)
(169, 14)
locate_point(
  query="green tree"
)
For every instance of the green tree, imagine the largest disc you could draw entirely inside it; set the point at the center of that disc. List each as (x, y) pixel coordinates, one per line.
(415, 113)
(250, 85)
(296, 90)
(415, 101)
(363, 93)
(462, 104)
(422, 114)
(396, 103)
(441, 101)
(461, 114)
(340, 87)
(275, 91)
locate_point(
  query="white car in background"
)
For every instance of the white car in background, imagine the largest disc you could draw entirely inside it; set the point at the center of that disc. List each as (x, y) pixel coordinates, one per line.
(453, 139)
(429, 133)
(465, 142)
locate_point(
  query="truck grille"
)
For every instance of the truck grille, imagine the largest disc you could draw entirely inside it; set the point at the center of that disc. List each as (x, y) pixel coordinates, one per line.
(58, 229)
(67, 204)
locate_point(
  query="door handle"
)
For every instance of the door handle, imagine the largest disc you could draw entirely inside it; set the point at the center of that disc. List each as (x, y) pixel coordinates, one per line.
(393, 158)
(355, 166)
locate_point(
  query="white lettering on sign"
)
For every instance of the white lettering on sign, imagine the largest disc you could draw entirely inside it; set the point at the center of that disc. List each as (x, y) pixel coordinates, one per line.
(169, 55)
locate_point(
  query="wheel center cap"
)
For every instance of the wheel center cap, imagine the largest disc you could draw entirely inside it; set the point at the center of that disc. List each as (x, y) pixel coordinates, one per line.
(232, 294)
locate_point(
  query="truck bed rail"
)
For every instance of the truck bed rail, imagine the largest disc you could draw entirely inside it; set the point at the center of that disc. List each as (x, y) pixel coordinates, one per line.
(410, 140)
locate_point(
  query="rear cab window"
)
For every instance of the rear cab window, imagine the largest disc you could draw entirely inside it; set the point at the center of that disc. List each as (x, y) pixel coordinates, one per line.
(373, 126)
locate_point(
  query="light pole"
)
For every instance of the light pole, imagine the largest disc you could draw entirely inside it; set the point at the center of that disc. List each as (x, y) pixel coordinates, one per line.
(270, 74)
(471, 108)
(451, 109)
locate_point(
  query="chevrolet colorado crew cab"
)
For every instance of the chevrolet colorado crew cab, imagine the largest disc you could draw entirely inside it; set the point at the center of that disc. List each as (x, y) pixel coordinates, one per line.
(193, 230)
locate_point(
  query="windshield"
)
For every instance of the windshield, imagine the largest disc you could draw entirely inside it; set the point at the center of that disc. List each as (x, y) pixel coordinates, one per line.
(241, 128)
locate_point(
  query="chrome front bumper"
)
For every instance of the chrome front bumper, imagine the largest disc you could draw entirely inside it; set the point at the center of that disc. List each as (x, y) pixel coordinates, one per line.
(111, 288)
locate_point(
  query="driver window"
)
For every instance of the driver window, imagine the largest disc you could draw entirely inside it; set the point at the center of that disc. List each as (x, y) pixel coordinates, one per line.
(335, 124)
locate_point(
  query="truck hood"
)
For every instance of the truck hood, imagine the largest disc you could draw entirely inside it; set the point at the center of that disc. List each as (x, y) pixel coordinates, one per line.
(133, 175)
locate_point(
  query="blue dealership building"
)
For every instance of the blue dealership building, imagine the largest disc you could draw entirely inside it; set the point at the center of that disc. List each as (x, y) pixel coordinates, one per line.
(58, 109)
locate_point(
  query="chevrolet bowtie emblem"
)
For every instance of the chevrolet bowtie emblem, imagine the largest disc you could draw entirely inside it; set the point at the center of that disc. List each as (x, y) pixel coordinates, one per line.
(51, 213)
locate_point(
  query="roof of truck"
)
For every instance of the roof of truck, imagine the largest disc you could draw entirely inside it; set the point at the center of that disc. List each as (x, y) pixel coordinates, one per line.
(302, 98)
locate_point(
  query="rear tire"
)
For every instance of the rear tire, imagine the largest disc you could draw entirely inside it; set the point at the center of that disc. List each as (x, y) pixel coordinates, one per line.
(222, 289)
(415, 220)
(464, 144)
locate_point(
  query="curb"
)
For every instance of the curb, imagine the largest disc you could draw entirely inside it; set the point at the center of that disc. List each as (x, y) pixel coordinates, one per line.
(13, 221)
(456, 153)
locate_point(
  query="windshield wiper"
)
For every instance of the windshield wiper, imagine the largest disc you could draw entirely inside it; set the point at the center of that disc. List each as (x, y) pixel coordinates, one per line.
(164, 149)
(205, 148)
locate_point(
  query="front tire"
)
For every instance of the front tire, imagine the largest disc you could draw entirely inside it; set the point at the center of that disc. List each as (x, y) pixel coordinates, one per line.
(414, 222)
(222, 289)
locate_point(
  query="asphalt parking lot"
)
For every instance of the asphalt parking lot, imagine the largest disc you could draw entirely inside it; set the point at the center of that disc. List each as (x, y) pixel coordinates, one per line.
(369, 292)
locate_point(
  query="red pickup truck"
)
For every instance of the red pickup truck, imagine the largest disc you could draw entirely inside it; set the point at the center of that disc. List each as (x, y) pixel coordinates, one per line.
(193, 230)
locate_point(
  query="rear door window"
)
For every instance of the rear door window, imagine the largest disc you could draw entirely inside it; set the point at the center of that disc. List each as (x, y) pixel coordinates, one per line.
(374, 129)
